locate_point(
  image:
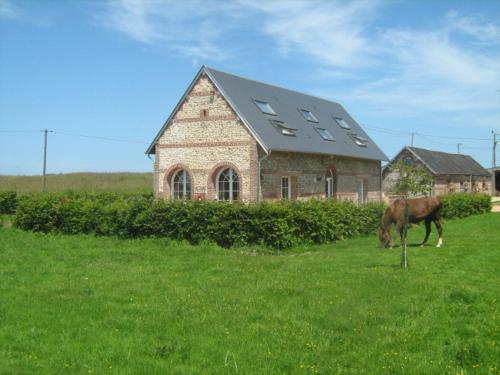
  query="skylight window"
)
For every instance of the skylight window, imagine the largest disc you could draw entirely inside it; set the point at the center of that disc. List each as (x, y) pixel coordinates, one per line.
(325, 134)
(283, 129)
(308, 115)
(265, 107)
(342, 123)
(360, 141)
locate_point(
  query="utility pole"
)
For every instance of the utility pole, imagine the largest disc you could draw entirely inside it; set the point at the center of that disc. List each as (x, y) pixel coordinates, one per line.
(494, 163)
(412, 135)
(45, 133)
(458, 147)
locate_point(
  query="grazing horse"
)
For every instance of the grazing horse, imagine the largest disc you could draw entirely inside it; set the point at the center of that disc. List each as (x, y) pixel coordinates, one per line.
(426, 208)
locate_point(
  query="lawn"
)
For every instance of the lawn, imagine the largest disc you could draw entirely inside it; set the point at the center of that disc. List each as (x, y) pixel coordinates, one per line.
(81, 304)
(125, 182)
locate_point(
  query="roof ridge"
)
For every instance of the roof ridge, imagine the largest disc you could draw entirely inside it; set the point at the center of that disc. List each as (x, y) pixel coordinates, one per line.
(272, 85)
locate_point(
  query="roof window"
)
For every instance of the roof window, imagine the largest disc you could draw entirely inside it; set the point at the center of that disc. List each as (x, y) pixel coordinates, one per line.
(360, 141)
(265, 107)
(283, 129)
(308, 115)
(342, 123)
(325, 134)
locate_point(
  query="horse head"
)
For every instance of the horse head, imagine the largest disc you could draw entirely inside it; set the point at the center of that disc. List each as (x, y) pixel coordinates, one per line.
(383, 236)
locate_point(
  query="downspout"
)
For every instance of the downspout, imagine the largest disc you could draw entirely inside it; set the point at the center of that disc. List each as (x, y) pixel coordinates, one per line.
(470, 184)
(154, 175)
(259, 190)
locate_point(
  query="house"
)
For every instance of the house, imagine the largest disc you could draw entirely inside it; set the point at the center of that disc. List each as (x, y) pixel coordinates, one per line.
(451, 172)
(231, 138)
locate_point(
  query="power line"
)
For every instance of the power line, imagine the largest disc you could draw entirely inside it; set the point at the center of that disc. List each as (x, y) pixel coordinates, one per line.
(19, 131)
(99, 137)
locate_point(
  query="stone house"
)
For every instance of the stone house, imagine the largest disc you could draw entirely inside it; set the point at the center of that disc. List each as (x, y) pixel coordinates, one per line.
(231, 138)
(451, 172)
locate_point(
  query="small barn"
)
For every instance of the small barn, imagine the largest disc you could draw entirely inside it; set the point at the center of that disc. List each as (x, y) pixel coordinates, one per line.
(235, 139)
(451, 172)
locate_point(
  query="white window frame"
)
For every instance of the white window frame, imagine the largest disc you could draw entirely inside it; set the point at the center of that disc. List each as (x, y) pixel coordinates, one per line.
(329, 187)
(288, 187)
(184, 185)
(361, 191)
(232, 172)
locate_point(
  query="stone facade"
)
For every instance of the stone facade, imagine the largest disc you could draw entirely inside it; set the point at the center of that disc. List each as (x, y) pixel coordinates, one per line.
(442, 184)
(206, 136)
(308, 173)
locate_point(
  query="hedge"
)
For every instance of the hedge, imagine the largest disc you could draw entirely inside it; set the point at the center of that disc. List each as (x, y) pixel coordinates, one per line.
(277, 225)
(8, 202)
(459, 205)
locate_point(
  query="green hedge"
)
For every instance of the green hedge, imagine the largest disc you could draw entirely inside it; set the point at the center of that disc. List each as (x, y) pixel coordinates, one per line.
(461, 205)
(277, 225)
(8, 202)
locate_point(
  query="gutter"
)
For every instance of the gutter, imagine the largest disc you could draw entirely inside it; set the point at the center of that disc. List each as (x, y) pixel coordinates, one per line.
(259, 190)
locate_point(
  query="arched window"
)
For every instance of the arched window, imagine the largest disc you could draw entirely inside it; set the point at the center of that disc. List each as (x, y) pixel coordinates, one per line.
(228, 185)
(181, 185)
(330, 184)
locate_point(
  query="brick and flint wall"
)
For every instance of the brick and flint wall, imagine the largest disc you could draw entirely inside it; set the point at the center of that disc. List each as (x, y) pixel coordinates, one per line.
(206, 136)
(308, 173)
(442, 184)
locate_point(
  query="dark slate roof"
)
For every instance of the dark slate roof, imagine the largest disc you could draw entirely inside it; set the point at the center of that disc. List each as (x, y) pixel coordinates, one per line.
(241, 93)
(443, 163)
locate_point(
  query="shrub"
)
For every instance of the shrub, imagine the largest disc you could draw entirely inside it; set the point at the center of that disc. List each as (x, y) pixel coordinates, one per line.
(459, 205)
(278, 225)
(8, 202)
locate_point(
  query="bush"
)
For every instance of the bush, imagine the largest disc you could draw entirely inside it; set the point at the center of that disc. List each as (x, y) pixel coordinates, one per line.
(8, 202)
(277, 225)
(459, 205)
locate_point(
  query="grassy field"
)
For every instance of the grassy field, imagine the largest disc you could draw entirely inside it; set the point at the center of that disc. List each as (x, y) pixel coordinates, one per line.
(80, 304)
(118, 182)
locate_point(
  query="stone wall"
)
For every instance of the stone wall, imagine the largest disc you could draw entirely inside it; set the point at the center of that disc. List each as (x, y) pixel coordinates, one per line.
(308, 174)
(442, 184)
(204, 137)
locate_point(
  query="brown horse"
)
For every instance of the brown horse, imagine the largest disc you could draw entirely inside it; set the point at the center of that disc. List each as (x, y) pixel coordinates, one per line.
(419, 209)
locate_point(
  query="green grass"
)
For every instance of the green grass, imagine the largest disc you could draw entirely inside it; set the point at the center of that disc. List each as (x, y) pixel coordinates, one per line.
(116, 182)
(80, 304)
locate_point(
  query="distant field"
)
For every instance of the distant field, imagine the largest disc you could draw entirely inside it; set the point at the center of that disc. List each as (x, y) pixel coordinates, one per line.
(119, 182)
(90, 305)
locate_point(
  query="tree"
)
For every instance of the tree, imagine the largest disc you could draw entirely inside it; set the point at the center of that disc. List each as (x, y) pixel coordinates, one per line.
(412, 181)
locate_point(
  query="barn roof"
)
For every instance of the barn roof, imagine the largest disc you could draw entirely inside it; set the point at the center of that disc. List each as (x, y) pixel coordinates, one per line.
(443, 163)
(312, 120)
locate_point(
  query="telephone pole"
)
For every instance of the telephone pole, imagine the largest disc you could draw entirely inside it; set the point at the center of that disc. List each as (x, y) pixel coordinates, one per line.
(45, 133)
(412, 135)
(458, 147)
(494, 163)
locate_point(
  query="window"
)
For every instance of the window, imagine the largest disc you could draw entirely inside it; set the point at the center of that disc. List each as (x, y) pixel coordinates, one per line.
(228, 185)
(360, 141)
(308, 115)
(181, 183)
(342, 123)
(283, 129)
(285, 188)
(408, 160)
(265, 107)
(361, 191)
(325, 134)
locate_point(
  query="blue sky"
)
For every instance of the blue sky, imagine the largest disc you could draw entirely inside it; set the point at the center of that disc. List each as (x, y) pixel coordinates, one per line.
(115, 69)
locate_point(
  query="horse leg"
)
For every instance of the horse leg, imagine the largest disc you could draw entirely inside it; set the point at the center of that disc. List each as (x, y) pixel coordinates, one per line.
(400, 228)
(439, 228)
(427, 231)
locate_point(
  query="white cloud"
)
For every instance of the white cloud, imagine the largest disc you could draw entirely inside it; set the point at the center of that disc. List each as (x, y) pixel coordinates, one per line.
(7, 10)
(330, 31)
(454, 66)
(185, 27)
